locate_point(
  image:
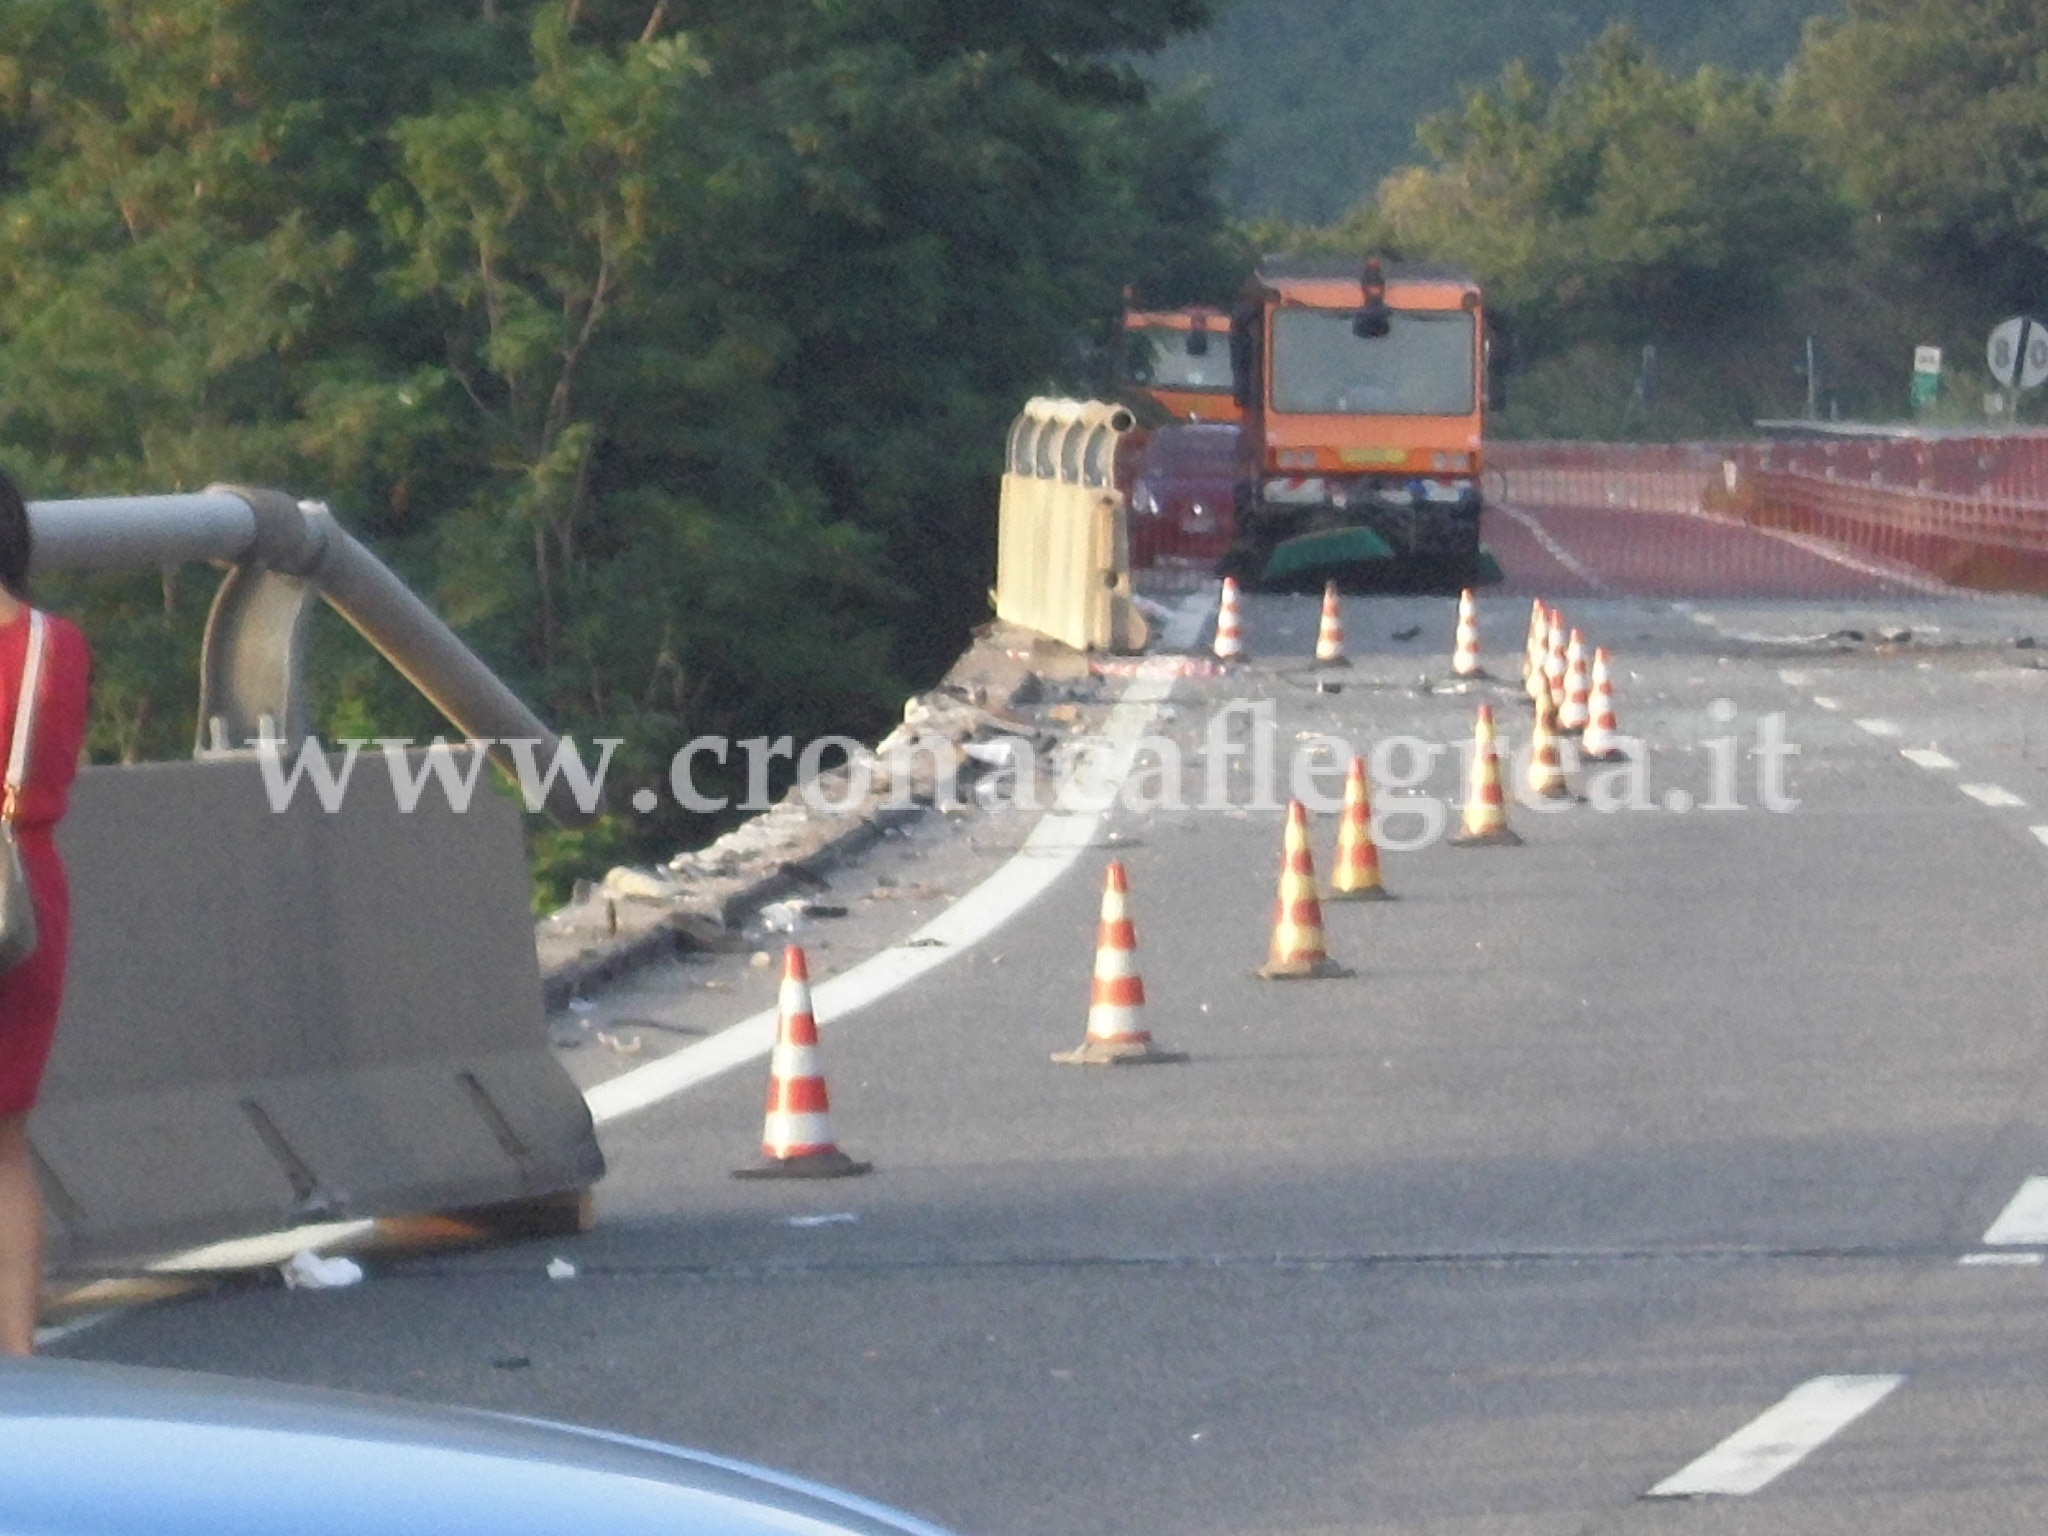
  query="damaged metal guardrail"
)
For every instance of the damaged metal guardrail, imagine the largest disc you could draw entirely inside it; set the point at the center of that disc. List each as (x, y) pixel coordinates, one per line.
(1063, 564)
(283, 1014)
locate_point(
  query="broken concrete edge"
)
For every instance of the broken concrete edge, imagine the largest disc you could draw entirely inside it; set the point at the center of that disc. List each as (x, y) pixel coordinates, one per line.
(669, 935)
(1004, 669)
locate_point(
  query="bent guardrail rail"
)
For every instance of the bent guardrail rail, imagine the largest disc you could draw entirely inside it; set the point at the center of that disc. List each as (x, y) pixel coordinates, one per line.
(287, 1007)
(1063, 561)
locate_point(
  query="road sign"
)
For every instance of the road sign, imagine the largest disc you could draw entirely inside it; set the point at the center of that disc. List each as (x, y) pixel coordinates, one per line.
(2019, 346)
(1926, 376)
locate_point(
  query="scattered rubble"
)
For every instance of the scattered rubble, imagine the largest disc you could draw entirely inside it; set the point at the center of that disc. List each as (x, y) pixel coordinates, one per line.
(1011, 694)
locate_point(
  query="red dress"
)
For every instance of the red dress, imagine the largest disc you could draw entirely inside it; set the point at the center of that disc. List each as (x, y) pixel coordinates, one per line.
(32, 993)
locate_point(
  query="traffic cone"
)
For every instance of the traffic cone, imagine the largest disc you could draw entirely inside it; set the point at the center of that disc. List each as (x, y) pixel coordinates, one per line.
(1545, 777)
(1298, 918)
(1553, 654)
(1229, 644)
(1574, 707)
(1115, 1036)
(1465, 655)
(1330, 632)
(796, 1139)
(1357, 874)
(1602, 741)
(1486, 812)
(1538, 645)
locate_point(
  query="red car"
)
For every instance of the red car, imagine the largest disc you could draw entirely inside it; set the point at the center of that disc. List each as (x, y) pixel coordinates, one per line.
(1182, 487)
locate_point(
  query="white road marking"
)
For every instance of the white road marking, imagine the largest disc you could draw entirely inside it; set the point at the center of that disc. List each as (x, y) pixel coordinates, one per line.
(58, 1332)
(2040, 834)
(2024, 1219)
(1180, 632)
(1991, 794)
(1881, 727)
(1795, 679)
(1927, 757)
(1827, 703)
(1780, 1438)
(2000, 1260)
(1555, 550)
(1059, 839)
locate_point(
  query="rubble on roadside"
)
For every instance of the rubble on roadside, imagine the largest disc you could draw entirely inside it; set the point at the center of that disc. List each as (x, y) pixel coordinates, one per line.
(1011, 693)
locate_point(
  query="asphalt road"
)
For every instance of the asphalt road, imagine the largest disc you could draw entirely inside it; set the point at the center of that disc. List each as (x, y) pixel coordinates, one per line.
(1613, 1142)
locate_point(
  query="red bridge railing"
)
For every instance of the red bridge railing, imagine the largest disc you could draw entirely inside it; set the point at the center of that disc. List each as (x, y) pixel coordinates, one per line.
(1969, 511)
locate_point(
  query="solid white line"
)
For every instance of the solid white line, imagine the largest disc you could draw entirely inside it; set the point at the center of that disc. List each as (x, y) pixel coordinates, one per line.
(1827, 703)
(2040, 834)
(1180, 632)
(2025, 1217)
(1991, 794)
(1059, 839)
(1555, 550)
(1881, 727)
(1999, 1260)
(1927, 757)
(1780, 1438)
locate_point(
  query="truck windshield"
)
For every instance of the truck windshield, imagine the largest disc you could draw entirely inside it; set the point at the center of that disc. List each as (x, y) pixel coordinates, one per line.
(1422, 367)
(1160, 358)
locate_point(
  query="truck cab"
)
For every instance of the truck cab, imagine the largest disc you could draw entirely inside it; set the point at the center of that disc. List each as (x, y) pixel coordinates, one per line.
(1180, 359)
(1363, 393)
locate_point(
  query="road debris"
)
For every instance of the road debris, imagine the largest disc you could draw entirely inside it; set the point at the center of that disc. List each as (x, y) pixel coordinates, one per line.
(307, 1270)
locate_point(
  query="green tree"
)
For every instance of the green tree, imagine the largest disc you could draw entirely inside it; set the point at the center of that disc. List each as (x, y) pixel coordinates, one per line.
(1935, 118)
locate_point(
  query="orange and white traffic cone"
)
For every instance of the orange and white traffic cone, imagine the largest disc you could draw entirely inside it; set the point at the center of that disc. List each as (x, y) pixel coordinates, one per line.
(1602, 741)
(1465, 654)
(1554, 663)
(1330, 632)
(1229, 644)
(796, 1139)
(1486, 812)
(1357, 873)
(1538, 646)
(1116, 1036)
(1545, 778)
(1574, 708)
(1298, 918)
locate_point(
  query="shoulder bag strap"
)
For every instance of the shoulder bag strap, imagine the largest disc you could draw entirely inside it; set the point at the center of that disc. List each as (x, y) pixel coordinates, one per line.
(24, 718)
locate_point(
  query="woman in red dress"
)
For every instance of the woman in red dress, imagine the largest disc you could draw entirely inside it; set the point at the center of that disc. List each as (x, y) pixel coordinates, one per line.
(31, 993)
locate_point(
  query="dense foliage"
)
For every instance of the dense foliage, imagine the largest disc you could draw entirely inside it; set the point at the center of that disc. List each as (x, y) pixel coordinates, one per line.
(1321, 97)
(666, 345)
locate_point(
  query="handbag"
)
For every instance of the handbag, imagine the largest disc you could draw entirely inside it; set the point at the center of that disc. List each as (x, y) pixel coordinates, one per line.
(17, 902)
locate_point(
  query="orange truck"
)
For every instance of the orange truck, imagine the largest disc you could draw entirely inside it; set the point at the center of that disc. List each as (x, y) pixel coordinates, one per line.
(1179, 359)
(1364, 390)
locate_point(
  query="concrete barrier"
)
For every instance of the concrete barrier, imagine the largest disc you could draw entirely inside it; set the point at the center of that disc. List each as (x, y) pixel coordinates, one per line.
(279, 1013)
(276, 1017)
(1063, 564)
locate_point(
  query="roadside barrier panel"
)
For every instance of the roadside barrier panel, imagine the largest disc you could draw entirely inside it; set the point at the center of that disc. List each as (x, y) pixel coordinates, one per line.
(1967, 510)
(1063, 563)
(293, 1013)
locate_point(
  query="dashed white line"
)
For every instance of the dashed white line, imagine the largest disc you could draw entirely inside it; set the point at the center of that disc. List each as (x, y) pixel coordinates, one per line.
(1827, 703)
(2040, 834)
(1881, 727)
(2001, 1260)
(1927, 757)
(1792, 678)
(2024, 1219)
(1780, 1438)
(1991, 794)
